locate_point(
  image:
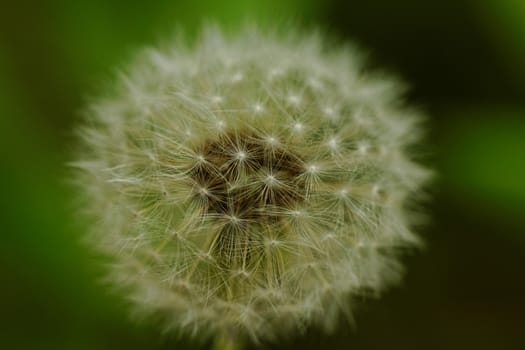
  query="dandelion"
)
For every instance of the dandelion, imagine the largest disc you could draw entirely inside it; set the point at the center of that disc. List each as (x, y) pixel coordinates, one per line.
(250, 186)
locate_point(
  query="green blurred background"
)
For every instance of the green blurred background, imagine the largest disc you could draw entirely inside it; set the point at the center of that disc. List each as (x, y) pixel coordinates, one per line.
(465, 60)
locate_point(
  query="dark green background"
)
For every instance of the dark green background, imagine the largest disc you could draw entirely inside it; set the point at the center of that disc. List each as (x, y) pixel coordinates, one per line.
(465, 60)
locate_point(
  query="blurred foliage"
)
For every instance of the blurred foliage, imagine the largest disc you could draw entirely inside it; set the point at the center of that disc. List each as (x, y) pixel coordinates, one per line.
(505, 25)
(465, 60)
(487, 146)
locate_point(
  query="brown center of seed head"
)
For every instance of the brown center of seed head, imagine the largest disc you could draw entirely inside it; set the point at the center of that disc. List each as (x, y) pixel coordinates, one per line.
(248, 177)
(247, 182)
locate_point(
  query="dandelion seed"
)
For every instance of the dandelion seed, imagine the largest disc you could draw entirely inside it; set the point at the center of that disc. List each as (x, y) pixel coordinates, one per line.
(274, 73)
(217, 99)
(237, 77)
(328, 111)
(271, 140)
(258, 108)
(298, 127)
(332, 143)
(294, 100)
(241, 155)
(313, 169)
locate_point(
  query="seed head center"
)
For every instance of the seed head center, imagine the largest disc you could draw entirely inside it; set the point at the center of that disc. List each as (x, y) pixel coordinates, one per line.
(245, 177)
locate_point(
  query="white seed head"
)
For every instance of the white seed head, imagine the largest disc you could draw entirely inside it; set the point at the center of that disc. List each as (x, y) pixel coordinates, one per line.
(230, 218)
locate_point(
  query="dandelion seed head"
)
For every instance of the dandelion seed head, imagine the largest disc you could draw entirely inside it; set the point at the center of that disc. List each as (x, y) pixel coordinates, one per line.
(220, 222)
